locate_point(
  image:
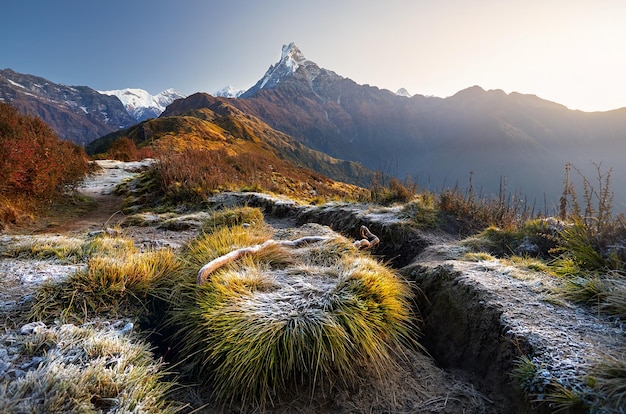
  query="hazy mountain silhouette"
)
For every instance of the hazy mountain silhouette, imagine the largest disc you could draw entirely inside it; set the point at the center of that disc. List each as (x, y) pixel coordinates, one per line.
(522, 138)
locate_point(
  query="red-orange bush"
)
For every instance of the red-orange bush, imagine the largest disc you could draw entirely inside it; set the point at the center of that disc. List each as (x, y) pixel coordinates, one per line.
(125, 149)
(34, 162)
(191, 175)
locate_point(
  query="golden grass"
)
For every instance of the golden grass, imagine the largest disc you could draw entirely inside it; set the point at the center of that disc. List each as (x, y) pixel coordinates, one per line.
(290, 318)
(67, 249)
(119, 284)
(232, 217)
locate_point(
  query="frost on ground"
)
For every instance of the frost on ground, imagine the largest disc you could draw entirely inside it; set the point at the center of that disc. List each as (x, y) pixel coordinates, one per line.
(502, 313)
(104, 181)
(20, 277)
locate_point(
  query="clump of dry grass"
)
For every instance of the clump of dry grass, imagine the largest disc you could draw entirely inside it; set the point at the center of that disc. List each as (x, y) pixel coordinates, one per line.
(232, 217)
(325, 313)
(117, 281)
(67, 249)
(80, 369)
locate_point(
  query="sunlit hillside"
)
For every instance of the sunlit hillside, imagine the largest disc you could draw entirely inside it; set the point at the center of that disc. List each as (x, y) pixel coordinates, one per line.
(239, 151)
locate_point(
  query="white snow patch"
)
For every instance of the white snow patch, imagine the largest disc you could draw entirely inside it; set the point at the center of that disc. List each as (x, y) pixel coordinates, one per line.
(291, 57)
(403, 92)
(229, 92)
(16, 84)
(112, 173)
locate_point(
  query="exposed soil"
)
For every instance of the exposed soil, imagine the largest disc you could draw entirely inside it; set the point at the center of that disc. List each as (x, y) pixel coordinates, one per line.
(100, 188)
(478, 317)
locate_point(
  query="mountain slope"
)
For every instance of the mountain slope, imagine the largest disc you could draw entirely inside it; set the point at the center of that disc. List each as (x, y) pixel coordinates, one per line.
(492, 134)
(202, 121)
(141, 105)
(76, 113)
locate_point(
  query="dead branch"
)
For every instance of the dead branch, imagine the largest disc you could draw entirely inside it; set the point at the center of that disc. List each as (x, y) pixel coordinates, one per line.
(369, 240)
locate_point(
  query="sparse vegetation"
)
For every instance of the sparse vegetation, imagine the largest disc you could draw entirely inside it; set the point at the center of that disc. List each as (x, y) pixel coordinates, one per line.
(589, 254)
(474, 212)
(389, 190)
(190, 176)
(592, 248)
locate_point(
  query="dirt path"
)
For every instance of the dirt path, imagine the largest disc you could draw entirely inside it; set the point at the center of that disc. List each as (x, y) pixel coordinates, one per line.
(100, 187)
(102, 216)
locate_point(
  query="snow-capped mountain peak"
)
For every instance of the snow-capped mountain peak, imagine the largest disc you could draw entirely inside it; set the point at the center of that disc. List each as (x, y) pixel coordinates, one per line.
(228, 92)
(403, 92)
(167, 97)
(291, 57)
(141, 104)
(292, 64)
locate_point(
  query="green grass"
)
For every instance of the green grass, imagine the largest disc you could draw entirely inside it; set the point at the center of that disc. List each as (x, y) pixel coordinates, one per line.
(609, 380)
(477, 257)
(422, 211)
(232, 217)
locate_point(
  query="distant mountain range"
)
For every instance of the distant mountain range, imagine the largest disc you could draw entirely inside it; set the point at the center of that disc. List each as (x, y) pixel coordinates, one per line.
(76, 113)
(141, 105)
(494, 137)
(79, 113)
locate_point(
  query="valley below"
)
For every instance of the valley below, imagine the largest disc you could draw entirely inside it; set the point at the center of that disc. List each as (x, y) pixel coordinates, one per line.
(477, 319)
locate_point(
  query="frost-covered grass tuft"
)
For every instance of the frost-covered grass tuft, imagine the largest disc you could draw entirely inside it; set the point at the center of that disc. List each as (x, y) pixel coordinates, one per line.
(118, 285)
(259, 327)
(67, 249)
(233, 217)
(80, 369)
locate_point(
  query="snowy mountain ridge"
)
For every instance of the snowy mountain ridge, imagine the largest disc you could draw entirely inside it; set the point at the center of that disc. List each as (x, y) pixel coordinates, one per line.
(141, 104)
(403, 92)
(228, 92)
(292, 64)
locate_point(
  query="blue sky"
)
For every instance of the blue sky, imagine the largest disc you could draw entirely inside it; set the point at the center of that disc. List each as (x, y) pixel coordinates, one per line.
(569, 52)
